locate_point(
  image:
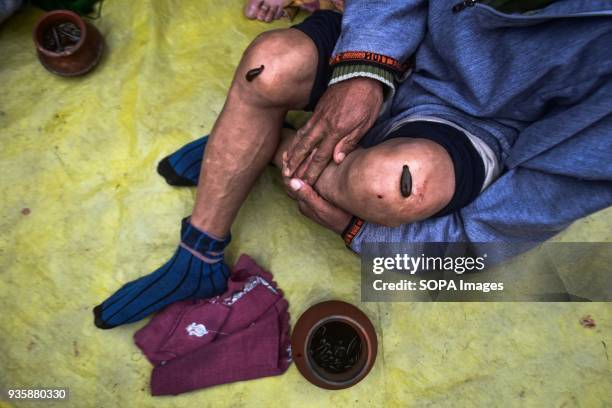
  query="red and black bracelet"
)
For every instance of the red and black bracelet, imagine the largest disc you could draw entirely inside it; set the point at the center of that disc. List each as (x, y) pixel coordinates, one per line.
(351, 230)
(380, 60)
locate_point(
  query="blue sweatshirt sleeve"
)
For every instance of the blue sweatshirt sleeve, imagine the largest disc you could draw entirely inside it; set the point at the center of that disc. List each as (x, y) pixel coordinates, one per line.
(378, 38)
(524, 206)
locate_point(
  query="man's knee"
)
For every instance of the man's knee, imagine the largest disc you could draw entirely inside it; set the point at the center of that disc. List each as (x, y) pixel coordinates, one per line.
(375, 180)
(277, 68)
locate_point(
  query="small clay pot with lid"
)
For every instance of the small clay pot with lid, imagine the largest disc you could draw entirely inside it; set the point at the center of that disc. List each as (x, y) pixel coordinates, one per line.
(66, 44)
(334, 345)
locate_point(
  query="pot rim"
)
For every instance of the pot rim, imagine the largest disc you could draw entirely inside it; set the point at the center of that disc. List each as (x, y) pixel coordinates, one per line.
(363, 337)
(325, 312)
(73, 18)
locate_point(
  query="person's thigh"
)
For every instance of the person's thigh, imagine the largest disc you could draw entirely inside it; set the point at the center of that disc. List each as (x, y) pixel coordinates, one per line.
(323, 27)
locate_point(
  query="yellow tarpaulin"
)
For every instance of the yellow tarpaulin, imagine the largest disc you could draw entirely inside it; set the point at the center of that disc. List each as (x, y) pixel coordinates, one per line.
(82, 211)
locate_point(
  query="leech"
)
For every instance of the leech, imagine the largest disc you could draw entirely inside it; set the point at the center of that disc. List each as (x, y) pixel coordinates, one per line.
(406, 181)
(57, 41)
(253, 73)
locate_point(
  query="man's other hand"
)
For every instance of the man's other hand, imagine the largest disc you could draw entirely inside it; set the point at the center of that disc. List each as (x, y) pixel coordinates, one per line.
(313, 206)
(345, 112)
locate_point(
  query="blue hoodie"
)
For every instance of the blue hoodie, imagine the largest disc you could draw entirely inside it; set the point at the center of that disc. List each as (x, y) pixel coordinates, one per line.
(536, 87)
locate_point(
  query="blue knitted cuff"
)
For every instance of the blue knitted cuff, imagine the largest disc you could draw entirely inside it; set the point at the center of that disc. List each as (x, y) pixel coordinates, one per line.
(199, 241)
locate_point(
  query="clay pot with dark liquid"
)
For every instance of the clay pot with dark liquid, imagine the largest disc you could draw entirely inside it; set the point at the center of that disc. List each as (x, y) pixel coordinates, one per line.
(66, 44)
(334, 345)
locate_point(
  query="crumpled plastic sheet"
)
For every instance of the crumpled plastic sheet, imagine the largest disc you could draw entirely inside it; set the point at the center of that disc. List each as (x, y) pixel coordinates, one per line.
(83, 211)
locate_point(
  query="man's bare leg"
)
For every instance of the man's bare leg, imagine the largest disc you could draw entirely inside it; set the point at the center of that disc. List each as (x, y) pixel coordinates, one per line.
(367, 182)
(242, 142)
(246, 134)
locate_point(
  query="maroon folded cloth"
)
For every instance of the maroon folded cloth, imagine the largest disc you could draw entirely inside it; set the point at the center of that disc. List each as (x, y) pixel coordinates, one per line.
(240, 335)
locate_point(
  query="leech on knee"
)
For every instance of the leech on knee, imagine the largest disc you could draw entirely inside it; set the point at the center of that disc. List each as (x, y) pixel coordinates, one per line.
(252, 73)
(406, 181)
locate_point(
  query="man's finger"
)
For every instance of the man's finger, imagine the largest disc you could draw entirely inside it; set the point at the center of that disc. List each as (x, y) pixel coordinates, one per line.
(311, 204)
(346, 145)
(299, 173)
(302, 191)
(319, 161)
(288, 188)
(305, 193)
(306, 141)
(307, 211)
(279, 13)
(315, 207)
(304, 130)
(270, 14)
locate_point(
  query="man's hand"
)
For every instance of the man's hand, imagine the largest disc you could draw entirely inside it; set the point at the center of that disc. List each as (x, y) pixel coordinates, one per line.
(313, 206)
(345, 112)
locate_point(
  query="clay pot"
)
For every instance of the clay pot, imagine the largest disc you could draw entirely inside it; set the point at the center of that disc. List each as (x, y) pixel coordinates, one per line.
(334, 345)
(74, 60)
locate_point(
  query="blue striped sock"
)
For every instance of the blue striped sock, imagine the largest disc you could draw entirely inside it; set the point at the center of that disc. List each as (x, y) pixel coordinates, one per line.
(182, 168)
(196, 270)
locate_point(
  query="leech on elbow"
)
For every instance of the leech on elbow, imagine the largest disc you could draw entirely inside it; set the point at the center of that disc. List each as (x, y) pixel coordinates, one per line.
(406, 181)
(253, 73)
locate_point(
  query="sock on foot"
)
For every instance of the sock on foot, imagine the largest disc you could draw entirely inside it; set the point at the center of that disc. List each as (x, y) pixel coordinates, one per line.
(196, 270)
(182, 168)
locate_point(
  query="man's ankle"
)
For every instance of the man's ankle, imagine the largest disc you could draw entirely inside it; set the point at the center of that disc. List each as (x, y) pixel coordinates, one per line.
(205, 225)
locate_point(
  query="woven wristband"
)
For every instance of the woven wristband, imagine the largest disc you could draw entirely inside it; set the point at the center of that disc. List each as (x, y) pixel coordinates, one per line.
(351, 230)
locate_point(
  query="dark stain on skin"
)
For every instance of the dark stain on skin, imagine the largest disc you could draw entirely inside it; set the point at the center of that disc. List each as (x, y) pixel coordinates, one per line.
(253, 73)
(379, 196)
(406, 181)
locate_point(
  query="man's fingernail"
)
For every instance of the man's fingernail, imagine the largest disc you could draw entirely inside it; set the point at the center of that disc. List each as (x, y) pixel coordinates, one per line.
(340, 156)
(295, 184)
(286, 172)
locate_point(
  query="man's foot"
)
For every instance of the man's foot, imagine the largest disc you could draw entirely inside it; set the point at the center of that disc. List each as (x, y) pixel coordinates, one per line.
(182, 168)
(196, 270)
(265, 10)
